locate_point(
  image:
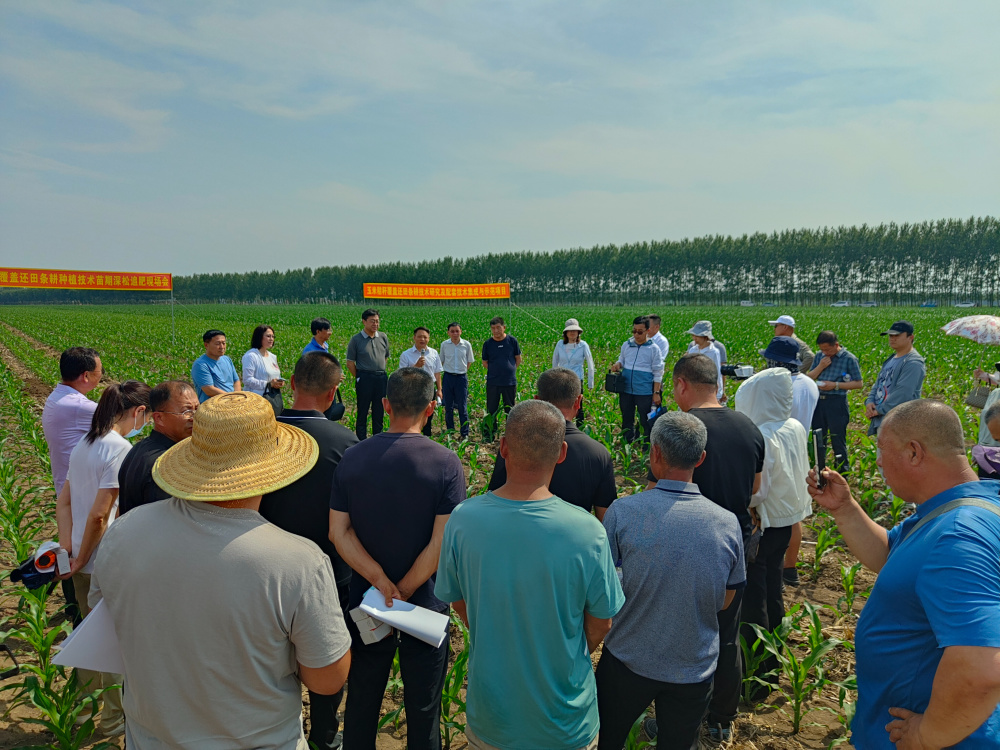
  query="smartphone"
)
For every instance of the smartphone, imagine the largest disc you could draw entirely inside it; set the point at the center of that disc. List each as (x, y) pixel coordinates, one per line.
(819, 456)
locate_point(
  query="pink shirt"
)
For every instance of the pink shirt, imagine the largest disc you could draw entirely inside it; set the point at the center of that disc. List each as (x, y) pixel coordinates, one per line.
(66, 419)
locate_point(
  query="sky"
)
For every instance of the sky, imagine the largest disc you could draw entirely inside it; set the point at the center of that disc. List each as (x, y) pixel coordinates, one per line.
(191, 137)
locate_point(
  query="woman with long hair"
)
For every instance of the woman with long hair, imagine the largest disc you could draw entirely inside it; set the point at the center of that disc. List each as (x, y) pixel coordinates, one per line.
(88, 504)
(573, 353)
(261, 374)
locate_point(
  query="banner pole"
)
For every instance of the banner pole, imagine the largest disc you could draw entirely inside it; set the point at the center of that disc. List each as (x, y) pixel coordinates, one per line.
(173, 327)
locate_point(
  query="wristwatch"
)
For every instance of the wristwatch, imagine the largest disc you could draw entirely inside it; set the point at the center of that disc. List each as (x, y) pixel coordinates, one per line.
(836, 386)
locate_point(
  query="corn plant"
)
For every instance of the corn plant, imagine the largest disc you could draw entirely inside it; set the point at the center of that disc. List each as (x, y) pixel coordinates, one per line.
(827, 537)
(59, 699)
(754, 658)
(452, 702)
(635, 741)
(848, 577)
(804, 672)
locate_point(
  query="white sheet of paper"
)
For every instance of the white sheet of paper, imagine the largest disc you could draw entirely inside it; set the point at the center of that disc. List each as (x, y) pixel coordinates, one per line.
(93, 645)
(430, 627)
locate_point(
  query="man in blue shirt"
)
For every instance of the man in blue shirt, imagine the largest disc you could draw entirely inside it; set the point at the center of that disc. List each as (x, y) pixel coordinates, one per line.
(642, 364)
(536, 608)
(901, 377)
(836, 371)
(213, 372)
(321, 331)
(928, 640)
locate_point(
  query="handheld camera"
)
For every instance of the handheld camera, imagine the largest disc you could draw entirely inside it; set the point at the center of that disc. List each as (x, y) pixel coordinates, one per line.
(819, 456)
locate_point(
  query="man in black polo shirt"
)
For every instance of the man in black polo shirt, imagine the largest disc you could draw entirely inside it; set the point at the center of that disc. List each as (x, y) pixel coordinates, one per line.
(729, 475)
(501, 358)
(302, 507)
(367, 356)
(392, 496)
(172, 405)
(586, 477)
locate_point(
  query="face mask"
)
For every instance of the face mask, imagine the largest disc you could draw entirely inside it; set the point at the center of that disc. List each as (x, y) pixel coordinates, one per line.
(136, 430)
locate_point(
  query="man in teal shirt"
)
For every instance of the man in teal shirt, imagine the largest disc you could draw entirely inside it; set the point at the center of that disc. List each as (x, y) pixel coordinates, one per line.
(536, 609)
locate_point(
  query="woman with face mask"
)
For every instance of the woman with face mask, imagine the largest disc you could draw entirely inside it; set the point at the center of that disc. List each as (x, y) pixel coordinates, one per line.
(88, 503)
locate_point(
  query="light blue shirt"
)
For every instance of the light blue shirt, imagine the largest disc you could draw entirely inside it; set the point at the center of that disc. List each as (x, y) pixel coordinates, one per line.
(218, 372)
(531, 683)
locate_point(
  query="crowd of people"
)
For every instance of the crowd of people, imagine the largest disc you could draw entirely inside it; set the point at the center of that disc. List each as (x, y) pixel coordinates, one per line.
(232, 543)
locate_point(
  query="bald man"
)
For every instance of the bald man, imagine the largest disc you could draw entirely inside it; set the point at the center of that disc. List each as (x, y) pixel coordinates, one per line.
(534, 579)
(928, 641)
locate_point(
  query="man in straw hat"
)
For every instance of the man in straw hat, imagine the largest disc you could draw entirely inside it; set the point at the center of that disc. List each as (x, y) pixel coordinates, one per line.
(392, 496)
(222, 616)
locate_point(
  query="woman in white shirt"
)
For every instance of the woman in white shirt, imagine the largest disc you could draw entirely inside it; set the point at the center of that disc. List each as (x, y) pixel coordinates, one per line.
(261, 374)
(88, 504)
(573, 353)
(702, 343)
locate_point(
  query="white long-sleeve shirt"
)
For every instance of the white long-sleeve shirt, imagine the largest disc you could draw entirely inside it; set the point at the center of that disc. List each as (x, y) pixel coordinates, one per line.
(713, 354)
(258, 371)
(574, 357)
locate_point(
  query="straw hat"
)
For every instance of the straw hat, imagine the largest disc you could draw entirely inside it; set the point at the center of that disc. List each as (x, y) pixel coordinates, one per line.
(236, 450)
(572, 325)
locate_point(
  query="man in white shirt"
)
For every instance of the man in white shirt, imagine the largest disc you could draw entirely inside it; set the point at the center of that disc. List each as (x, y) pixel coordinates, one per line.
(66, 419)
(456, 356)
(423, 357)
(658, 339)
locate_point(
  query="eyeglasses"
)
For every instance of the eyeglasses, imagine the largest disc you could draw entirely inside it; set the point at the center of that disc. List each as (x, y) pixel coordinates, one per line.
(187, 413)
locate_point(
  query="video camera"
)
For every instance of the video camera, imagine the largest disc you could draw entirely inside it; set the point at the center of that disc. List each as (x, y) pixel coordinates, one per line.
(737, 372)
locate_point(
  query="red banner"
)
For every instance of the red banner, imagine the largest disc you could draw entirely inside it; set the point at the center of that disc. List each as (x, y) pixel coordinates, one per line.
(44, 278)
(437, 291)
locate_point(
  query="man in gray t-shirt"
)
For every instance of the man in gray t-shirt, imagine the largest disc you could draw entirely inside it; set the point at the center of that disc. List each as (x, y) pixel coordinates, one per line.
(222, 616)
(681, 561)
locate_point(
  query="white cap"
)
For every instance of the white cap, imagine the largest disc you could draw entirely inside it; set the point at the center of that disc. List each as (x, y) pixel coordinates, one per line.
(785, 320)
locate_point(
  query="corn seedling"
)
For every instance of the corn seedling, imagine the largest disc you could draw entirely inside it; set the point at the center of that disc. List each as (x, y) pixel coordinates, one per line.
(452, 702)
(848, 576)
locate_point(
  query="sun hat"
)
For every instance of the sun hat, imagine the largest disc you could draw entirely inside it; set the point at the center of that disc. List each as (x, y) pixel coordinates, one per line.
(900, 326)
(701, 328)
(572, 325)
(237, 449)
(782, 349)
(785, 320)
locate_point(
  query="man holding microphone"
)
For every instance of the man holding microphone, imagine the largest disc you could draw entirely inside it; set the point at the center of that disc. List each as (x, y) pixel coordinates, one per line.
(424, 357)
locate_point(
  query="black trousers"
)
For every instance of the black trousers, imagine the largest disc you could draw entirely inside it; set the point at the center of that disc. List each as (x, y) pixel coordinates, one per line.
(494, 394)
(762, 600)
(728, 680)
(832, 415)
(629, 402)
(456, 396)
(370, 387)
(427, 427)
(579, 414)
(622, 695)
(323, 721)
(423, 669)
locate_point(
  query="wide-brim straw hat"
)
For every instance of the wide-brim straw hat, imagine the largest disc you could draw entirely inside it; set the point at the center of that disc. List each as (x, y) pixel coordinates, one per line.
(237, 450)
(572, 325)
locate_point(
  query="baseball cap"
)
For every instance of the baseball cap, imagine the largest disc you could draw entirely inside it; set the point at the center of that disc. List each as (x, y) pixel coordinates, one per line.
(900, 326)
(785, 320)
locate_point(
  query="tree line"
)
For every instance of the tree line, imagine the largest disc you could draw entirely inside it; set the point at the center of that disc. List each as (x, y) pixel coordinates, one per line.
(945, 261)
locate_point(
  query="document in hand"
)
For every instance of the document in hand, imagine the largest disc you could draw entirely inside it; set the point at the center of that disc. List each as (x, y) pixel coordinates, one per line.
(93, 645)
(430, 627)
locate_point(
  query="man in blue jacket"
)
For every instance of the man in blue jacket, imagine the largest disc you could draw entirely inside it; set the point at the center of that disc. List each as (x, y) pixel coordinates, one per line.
(901, 377)
(642, 365)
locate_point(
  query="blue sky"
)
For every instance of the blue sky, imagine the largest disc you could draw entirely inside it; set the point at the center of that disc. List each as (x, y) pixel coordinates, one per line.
(220, 136)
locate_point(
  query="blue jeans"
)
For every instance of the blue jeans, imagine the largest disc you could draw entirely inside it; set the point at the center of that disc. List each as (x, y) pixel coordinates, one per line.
(456, 395)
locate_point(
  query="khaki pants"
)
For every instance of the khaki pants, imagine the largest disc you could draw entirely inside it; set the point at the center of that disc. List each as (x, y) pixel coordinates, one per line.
(112, 715)
(477, 744)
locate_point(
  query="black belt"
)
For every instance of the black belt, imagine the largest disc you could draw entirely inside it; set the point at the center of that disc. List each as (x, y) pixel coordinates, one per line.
(370, 372)
(455, 374)
(830, 395)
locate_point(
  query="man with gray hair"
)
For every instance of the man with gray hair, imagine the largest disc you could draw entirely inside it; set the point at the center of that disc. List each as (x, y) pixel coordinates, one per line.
(536, 607)
(587, 477)
(681, 562)
(928, 641)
